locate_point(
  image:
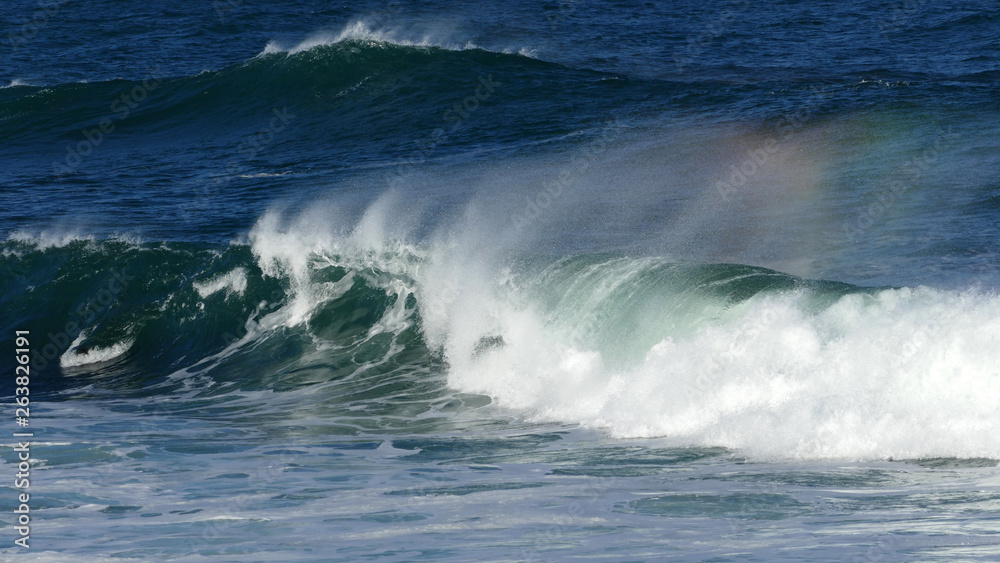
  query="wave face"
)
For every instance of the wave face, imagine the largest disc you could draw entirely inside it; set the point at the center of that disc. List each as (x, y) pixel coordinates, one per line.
(728, 355)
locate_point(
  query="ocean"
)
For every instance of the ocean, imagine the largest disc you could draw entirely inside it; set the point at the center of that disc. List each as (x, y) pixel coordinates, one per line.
(533, 281)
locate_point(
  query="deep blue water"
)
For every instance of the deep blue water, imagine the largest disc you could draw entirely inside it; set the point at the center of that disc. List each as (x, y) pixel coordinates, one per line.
(626, 281)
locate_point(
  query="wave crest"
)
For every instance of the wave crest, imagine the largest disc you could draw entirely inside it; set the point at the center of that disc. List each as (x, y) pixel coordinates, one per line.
(363, 32)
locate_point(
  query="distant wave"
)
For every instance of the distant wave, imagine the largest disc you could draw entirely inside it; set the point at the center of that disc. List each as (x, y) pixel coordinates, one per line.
(352, 77)
(362, 32)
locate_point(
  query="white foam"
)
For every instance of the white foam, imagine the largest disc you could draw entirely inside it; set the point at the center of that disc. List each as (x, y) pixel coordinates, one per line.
(314, 240)
(368, 31)
(234, 283)
(281, 253)
(906, 373)
(47, 239)
(44, 239)
(263, 175)
(73, 357)
(355, 30)
(903, 373)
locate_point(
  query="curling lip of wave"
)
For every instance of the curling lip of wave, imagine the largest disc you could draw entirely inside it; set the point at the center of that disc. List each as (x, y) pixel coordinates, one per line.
(77, 356)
